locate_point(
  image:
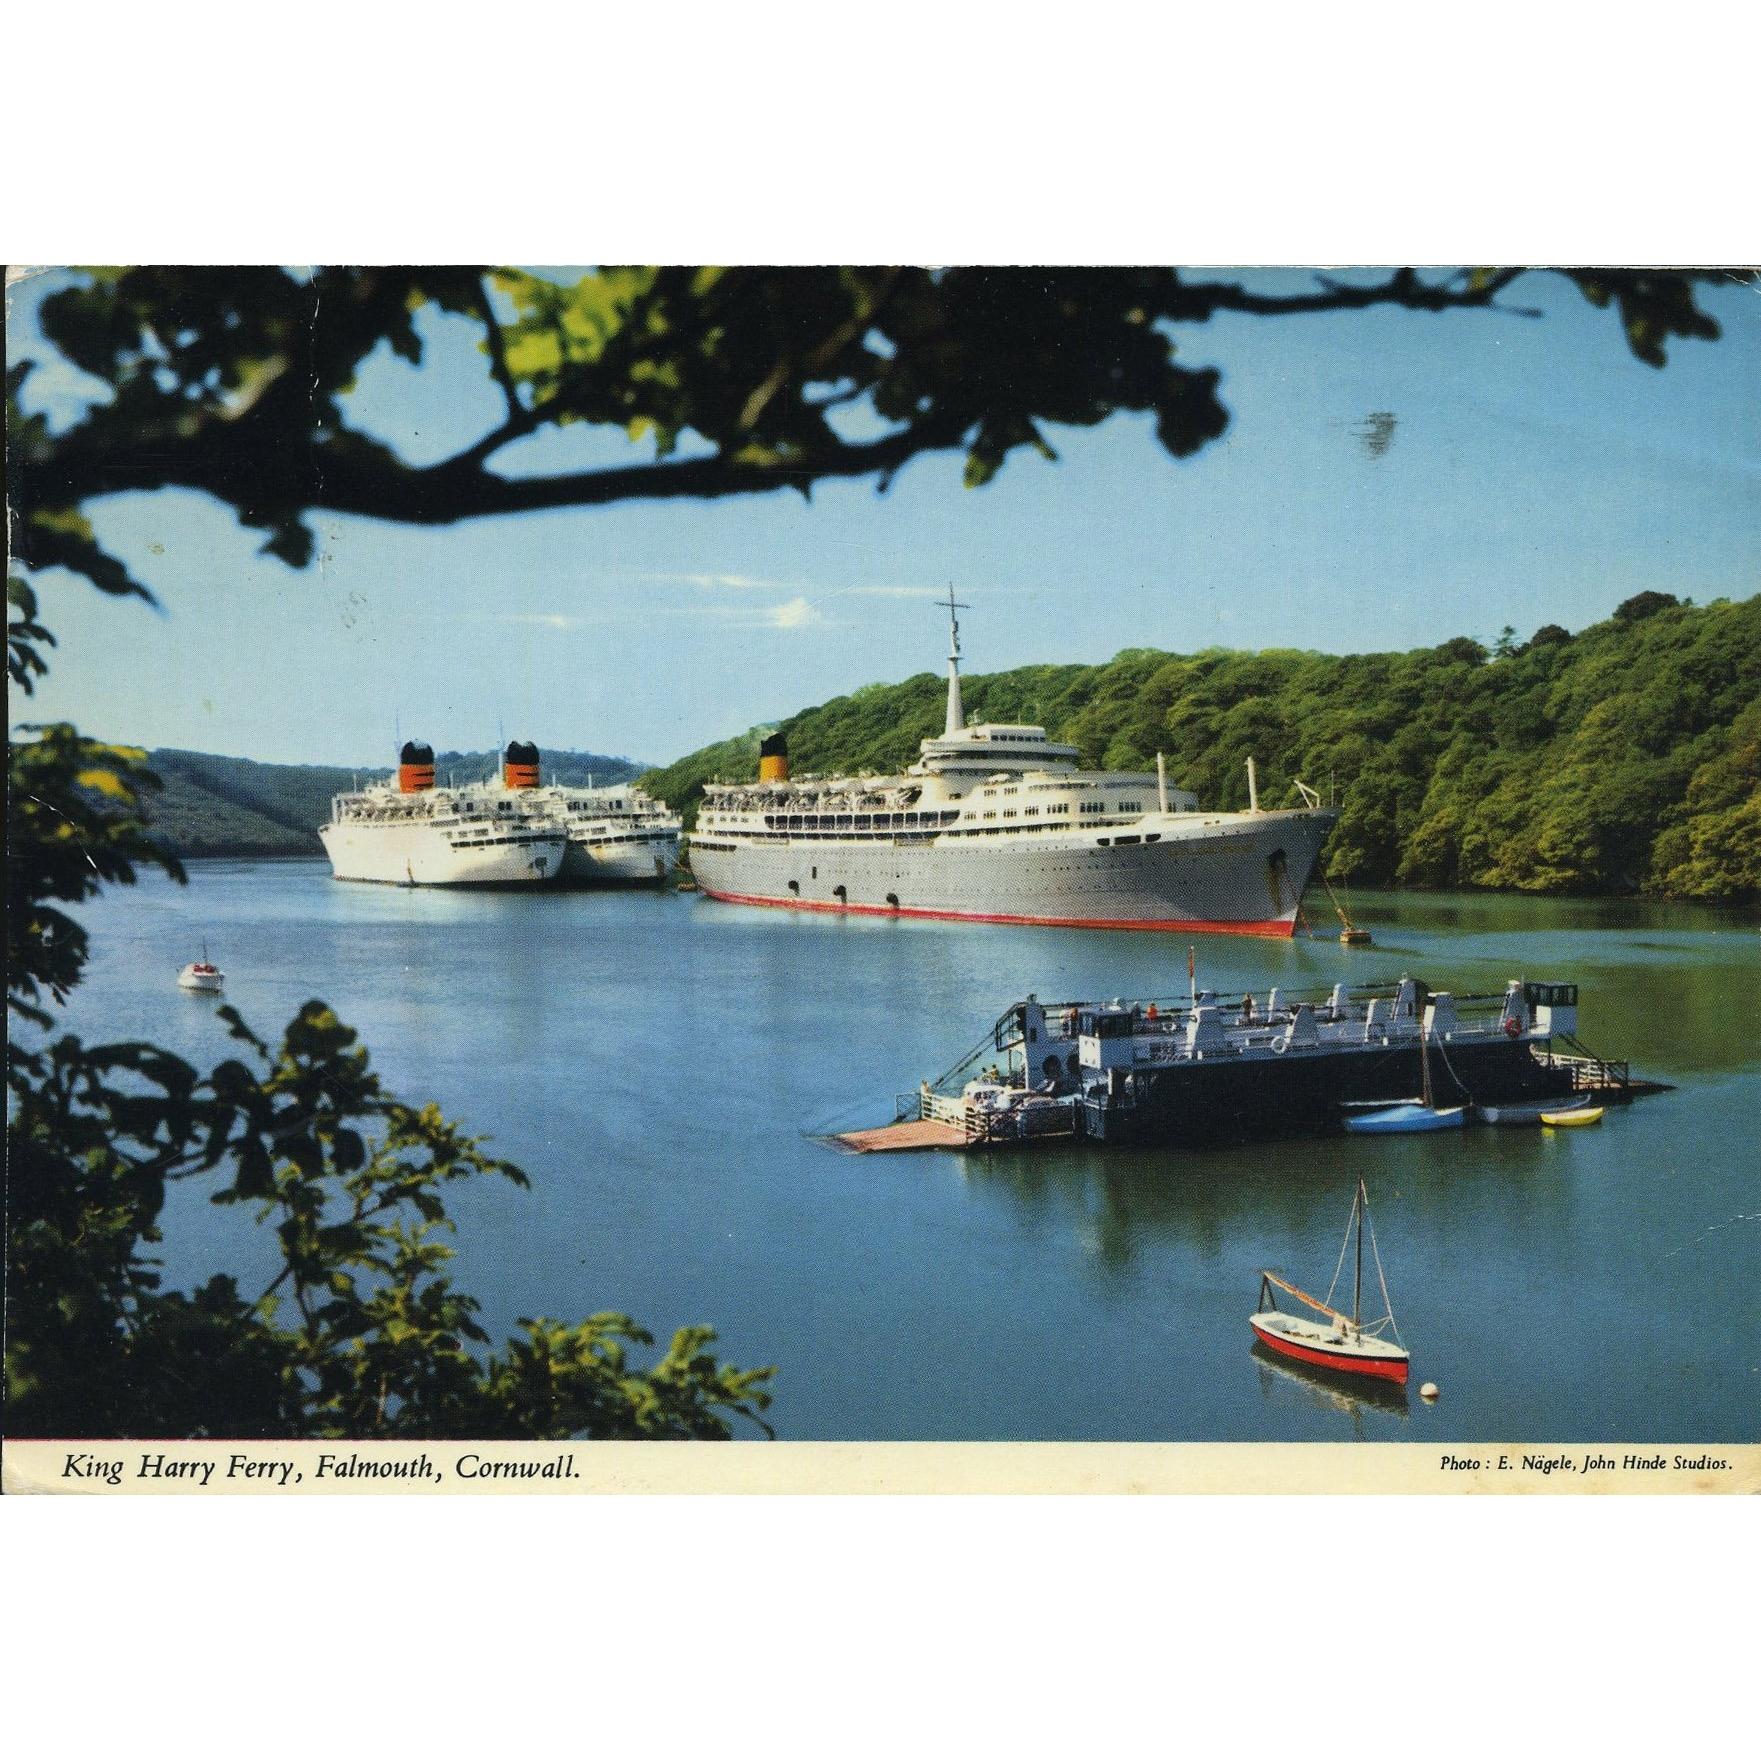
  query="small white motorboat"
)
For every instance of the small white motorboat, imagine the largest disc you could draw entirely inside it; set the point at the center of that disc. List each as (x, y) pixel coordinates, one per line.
(201, 975)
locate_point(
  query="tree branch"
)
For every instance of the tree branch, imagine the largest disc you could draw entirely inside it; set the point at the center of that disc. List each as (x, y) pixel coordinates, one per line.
(344, 478)
(498, 365)
(1195, 301)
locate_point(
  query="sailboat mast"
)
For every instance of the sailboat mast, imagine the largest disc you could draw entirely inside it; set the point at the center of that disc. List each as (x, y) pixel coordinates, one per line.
(1357, 1284)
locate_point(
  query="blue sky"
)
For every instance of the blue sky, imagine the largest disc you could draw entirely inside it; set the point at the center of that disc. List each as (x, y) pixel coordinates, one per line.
(1536, 473)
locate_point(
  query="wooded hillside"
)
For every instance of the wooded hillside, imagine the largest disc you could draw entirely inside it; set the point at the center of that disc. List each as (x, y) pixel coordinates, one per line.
(215, 806)
(1626, 757)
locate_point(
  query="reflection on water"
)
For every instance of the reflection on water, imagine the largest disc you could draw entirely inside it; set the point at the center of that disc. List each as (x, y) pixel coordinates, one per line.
(1354, 1396)
(652, 1059)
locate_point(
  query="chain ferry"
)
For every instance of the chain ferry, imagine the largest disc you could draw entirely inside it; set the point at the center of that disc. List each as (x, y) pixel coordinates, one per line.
(996, 823)
(406, 832)
(1173, 1072)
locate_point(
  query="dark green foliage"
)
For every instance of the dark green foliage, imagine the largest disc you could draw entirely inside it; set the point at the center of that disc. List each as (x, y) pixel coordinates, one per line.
(1625, 757)
(359, 1334)
(73, 821)
(214, 806)
(1644, 605)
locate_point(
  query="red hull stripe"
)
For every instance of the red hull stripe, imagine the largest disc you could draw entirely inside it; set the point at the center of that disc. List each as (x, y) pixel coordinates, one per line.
(1386, 1369)
(1271, 926)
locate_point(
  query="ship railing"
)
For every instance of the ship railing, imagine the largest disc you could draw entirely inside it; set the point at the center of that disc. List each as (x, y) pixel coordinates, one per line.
(983, 1125)
(949, 1109)
(1590, 1074)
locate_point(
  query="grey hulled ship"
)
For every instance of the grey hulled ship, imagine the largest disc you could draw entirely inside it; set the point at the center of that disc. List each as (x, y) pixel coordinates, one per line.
(996, 823)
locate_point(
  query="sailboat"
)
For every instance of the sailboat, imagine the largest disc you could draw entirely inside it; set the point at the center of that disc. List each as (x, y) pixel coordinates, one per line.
(1420, 1115)
(1343, 1343)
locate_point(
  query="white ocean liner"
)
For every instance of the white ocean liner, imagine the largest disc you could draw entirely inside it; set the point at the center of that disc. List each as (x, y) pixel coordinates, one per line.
(406, 832)
(996, 823)
(617, 835)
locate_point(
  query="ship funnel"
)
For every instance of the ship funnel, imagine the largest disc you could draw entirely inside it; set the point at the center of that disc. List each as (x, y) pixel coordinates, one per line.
(519, 765)
(415, 768)
(773, 759)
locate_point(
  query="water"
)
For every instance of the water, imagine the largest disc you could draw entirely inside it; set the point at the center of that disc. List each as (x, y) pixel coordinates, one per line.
(654, 1060)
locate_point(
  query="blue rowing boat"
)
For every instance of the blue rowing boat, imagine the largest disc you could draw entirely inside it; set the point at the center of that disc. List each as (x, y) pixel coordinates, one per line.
(1407, 1116)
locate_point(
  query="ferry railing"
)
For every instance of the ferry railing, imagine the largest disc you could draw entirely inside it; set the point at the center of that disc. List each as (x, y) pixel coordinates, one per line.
(1590, 1074)
(985, 1125)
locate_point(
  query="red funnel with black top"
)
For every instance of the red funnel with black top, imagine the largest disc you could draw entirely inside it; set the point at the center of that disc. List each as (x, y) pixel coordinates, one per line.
(519, 765)
(415, 768)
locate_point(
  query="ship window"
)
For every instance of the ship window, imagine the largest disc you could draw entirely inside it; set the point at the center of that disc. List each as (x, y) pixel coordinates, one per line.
(1103, 840)
(1126, 840)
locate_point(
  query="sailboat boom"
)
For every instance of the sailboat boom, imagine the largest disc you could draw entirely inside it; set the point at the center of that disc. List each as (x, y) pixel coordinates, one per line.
(1313, 1302)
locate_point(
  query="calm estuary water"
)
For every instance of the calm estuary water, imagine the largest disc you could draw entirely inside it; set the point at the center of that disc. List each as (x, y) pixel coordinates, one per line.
(654, 1061)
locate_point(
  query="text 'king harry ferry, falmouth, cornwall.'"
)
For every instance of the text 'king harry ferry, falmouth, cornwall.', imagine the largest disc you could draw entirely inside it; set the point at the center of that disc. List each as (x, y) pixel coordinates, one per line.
(995, 823)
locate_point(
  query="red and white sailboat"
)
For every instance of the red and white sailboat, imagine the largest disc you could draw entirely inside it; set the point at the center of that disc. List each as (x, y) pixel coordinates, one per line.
(1346, 1344)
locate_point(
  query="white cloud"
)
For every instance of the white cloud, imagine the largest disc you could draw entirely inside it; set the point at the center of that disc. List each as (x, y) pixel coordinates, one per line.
(712, 582)
(758, 583)
(896, 592)
(792, 614)
(548, 620)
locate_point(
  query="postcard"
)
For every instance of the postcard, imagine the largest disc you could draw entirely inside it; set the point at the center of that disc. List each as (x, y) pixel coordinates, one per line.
(883, 879)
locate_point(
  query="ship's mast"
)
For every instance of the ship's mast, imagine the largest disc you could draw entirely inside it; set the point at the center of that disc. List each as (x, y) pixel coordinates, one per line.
(956, 714)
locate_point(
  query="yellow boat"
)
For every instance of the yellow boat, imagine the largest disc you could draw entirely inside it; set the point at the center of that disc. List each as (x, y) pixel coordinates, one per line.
(1581, 1116)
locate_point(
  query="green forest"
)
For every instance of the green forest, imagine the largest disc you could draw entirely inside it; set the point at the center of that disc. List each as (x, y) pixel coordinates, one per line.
(215, 806)
(1624, 758)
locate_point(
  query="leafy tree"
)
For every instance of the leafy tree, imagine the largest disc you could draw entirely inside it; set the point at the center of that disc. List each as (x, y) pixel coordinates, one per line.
(1644, 605)
(233, 381)
(359, 1332)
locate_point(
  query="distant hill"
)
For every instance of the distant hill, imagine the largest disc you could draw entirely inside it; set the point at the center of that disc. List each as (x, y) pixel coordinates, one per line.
(215, 806)
(1626, 757)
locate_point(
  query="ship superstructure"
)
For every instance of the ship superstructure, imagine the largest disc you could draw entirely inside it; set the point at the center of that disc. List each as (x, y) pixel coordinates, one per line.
(997, 823)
